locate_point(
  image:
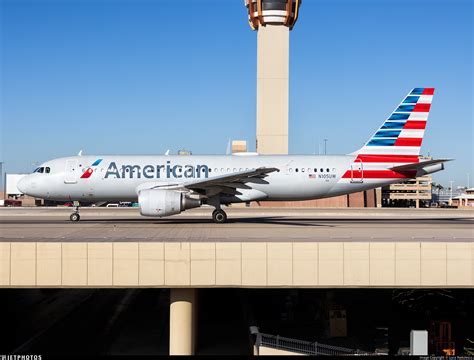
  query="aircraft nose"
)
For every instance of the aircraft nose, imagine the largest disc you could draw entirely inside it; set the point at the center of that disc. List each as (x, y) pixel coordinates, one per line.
(23, 184)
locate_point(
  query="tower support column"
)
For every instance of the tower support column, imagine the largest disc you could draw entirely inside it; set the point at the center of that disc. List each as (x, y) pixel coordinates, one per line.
(182, 321)
(272, 89)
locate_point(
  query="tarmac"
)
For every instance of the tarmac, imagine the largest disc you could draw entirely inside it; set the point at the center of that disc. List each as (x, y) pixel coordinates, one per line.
(244, 225)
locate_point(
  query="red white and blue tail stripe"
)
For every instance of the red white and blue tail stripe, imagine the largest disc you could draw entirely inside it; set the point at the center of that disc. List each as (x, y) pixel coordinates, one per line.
(396, 143)
(402, 133)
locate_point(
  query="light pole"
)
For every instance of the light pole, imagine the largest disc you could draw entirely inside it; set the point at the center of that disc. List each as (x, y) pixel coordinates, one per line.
(1, 174)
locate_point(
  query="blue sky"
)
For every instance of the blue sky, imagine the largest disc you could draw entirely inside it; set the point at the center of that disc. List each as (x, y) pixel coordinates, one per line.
(141, 77)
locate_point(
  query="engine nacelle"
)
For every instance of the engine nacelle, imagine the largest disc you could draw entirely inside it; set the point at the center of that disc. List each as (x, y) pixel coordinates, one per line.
(160, 203)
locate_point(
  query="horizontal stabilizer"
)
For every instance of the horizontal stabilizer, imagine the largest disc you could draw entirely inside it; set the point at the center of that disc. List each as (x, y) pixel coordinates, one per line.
(418, 166)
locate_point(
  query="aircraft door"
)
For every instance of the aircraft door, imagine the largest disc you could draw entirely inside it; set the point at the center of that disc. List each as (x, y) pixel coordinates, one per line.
(70, 173)
(357, 172)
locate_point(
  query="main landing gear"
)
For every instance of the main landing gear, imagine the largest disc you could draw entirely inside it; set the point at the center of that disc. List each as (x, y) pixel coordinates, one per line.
(219, 216)
(75, 215)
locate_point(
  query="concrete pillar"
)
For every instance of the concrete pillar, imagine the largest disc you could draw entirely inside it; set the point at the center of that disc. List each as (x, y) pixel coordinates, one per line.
(272, 89)
(182, 318)
(378, 196)
(195, 320)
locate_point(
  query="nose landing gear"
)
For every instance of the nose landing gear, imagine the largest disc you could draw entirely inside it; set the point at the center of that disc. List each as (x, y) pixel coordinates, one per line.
(75, 215)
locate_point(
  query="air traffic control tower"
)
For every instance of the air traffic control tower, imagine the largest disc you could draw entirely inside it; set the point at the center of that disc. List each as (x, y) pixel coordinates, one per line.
(273, 20)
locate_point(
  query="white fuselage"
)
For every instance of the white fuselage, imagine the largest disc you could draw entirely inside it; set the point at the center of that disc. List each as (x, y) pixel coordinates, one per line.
(120, 177)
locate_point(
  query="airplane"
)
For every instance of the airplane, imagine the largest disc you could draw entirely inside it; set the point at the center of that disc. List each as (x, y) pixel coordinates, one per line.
(169, 184)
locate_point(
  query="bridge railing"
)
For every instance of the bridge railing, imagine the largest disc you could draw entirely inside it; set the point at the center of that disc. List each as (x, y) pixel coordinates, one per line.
(304, 347)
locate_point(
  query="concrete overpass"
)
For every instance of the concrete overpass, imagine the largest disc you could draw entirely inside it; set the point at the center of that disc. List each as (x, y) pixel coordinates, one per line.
(269, 249)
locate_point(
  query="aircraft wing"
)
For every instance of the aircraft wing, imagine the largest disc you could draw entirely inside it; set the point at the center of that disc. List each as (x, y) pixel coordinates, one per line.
(229, 183)
(419, 165)
(226, 184)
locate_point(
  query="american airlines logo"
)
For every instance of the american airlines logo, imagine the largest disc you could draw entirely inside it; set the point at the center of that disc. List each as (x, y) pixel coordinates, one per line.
(166, 171)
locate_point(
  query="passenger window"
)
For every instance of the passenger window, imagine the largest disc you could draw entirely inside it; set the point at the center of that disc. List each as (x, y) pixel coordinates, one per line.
(47, 170)
(315, 170)
(327, 170)
(228, 169)
(290, 170)
(222, 169)
(296, 169)
(309, 170)
(210, 170)
(302, 169)
(240, 169)
(322, 170)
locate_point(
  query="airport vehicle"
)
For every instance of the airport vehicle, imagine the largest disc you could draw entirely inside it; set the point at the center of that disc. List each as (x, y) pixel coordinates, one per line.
(167, 185)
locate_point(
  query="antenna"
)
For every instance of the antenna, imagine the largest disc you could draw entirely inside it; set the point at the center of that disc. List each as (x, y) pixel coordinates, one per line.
(228, 150)
(79, 153)
(167, 152)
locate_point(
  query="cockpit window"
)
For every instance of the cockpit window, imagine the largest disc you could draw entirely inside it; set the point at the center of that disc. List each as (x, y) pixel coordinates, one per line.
(42, 170)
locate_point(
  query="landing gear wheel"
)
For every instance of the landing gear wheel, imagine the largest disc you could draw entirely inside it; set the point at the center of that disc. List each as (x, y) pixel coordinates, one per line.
(75, 217)
(219, 216)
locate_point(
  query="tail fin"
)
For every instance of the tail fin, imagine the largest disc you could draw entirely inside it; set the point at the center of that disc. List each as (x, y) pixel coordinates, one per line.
(403, 131)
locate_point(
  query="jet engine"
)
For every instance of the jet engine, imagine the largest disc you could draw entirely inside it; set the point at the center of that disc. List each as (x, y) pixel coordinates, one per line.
(160, 203)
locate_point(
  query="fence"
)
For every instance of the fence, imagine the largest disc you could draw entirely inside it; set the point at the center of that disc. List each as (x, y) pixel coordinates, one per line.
(304, 347)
